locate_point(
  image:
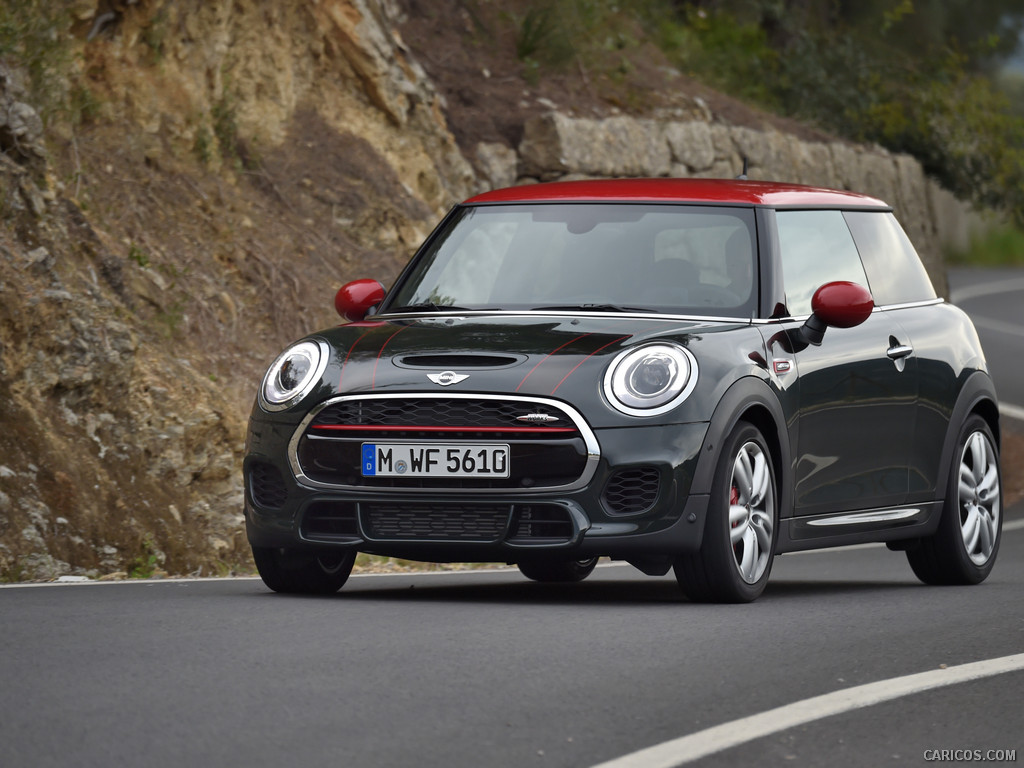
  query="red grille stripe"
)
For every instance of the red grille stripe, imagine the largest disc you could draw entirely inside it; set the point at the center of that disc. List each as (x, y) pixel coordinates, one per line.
(393, 428)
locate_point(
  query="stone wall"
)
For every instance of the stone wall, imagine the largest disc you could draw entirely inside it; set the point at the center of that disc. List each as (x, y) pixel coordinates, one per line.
(556, 146)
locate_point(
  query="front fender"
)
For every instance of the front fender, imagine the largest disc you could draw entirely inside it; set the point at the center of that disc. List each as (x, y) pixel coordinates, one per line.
(749, 399)
(978, 395)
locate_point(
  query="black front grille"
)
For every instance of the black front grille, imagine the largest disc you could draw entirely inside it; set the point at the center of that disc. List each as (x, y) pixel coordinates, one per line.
(331, 520)
(266, 485)
(467, 414)
(546, 448)
(435, 522)
(632, 491)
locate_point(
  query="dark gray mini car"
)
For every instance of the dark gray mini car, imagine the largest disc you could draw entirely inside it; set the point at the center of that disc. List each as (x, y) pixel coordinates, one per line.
(683, 374)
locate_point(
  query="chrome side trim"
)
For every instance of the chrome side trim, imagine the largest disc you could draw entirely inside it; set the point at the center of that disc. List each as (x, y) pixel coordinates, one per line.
(912, 304)
(875, 516)
(886, 308)
(589, 440)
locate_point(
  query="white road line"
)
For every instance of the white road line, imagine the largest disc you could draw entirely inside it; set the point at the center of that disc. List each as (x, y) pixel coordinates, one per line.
(986, 289)
(1013, 411)
(684, 750)
(1000, 326)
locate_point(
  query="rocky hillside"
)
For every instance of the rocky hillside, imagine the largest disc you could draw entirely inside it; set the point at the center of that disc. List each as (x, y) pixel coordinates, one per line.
(218, 169)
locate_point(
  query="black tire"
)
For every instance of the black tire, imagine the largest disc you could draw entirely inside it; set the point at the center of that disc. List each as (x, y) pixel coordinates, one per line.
(964, 548)
(304, 571)
(558, 571)
(735, 557)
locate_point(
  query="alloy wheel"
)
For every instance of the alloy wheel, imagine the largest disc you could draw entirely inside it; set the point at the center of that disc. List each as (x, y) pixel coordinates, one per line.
(978, 492)
(751, 512)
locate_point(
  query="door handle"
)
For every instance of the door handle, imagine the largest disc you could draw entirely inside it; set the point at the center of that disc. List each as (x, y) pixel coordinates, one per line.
(899, 351)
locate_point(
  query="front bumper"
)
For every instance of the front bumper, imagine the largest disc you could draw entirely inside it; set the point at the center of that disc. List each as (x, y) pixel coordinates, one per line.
(637, 502)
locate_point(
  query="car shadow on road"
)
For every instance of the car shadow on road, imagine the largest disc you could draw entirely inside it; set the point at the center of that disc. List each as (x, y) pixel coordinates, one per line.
(601, 593)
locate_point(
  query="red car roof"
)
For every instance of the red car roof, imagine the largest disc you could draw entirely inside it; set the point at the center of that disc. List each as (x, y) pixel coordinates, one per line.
(734, 191)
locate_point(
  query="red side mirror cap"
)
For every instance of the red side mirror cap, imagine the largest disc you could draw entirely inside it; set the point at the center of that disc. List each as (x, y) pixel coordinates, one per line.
(354, 300)
(842, 304)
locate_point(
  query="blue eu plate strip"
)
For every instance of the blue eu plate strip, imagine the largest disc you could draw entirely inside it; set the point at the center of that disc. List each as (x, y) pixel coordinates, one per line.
(369, 461)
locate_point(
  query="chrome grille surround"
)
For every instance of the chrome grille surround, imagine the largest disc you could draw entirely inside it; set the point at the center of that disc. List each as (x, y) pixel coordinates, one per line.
(529, 404)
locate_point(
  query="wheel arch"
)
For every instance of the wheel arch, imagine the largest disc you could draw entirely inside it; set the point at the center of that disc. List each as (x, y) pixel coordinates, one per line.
(750, 399)
(977, 396)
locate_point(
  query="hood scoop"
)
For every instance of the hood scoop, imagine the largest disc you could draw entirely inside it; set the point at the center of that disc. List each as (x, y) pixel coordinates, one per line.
(459, 361)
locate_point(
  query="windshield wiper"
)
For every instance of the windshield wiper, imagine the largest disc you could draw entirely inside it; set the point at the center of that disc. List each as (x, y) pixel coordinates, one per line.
(591, 308)
(428, 306)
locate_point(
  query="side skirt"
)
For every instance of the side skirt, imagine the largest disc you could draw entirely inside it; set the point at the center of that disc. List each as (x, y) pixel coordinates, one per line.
(839, 529)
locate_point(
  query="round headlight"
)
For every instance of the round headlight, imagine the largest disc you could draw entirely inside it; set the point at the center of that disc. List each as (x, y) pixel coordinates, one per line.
(293, 375)
(650, 380)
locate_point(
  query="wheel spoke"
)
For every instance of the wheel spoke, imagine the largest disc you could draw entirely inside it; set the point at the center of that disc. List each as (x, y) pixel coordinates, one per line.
(742, 475)
(760, 480)
(987, 536)
(749, 555)
(979, 456)
(762, 529)
(971, 528)
(965, 488)
(736, 533)
(989, 483)
(737, 515)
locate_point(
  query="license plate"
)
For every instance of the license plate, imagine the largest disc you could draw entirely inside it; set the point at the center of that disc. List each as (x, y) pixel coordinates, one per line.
(446, 460)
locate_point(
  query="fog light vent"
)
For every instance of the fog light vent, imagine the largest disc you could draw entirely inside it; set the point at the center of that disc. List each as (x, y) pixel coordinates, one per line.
(632, 491)
(267, 485)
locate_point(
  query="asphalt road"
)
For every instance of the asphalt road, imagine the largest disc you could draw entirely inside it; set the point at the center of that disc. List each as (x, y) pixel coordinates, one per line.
(488, 669)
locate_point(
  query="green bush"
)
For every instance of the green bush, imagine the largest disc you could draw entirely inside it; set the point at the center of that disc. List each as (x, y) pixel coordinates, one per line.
(862, 81)
(998, 247)
(33, 36)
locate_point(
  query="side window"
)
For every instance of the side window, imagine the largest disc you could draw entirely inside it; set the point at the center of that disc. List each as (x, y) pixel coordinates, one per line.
(895, 272)
(817, 248)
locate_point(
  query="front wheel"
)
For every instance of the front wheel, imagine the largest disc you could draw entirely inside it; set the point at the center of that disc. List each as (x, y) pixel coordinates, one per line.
(558, 571)
(963, 549)
(735, 557)
(303, 571)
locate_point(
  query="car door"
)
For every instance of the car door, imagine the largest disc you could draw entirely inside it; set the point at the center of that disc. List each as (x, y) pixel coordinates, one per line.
(855, 394)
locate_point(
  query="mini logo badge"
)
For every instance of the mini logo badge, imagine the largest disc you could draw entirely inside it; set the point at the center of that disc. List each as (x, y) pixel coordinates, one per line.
(447, 378)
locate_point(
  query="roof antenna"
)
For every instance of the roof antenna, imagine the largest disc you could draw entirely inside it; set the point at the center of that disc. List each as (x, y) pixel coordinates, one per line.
(743, 175)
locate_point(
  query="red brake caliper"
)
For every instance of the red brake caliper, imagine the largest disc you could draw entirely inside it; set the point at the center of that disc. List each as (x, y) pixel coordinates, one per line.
(734, 498)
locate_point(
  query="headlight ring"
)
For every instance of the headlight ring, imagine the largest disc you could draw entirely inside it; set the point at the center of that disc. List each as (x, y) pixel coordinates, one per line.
(650, 380)
(293, 375)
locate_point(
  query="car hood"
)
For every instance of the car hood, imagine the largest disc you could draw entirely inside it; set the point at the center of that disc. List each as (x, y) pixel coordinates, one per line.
(539, 355)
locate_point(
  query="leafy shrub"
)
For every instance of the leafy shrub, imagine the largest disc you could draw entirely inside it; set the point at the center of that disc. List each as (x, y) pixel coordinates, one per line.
(32, 34)
(937, 104)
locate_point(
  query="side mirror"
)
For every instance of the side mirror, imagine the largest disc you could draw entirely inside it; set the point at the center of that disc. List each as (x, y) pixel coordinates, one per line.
(840, 304)
(354, 300)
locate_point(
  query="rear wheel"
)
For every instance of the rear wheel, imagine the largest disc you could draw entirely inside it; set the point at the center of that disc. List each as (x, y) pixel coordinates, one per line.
(558, 571)
(963, 549)
(303, 571)
(735, 557)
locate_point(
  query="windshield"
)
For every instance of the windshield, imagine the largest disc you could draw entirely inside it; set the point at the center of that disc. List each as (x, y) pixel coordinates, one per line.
(673, 259)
